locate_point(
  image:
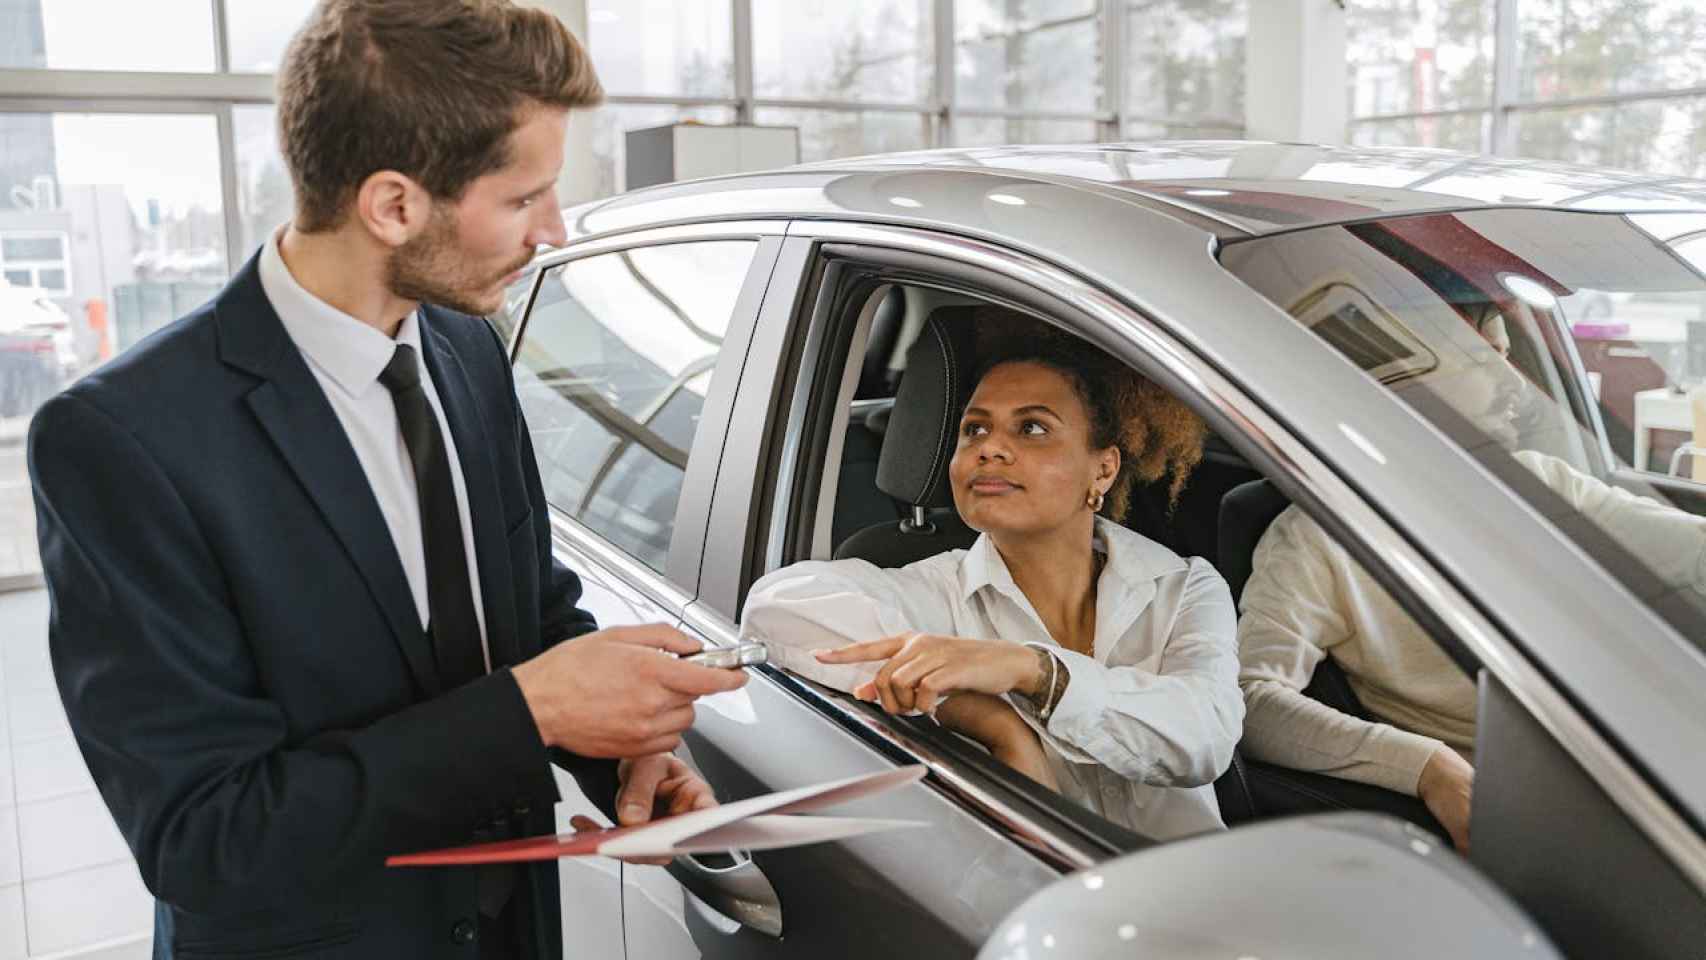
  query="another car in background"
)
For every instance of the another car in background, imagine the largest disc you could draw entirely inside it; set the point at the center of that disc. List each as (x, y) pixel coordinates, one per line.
(37, 354)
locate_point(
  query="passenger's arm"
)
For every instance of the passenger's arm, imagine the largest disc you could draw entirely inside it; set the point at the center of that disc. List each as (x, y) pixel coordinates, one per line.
(822, 605)
(1293, 613)
(1173, 727)
(993, 722)
(1671, 541)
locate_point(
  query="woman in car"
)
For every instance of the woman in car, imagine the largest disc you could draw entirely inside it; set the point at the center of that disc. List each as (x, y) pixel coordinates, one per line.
(1089, 657)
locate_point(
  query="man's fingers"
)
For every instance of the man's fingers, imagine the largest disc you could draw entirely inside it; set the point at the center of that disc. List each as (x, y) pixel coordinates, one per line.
(639, 790)
(687, 793)
(657, 636)
(693, 680)
(863, 652)
(580, 823)
(672, 722)
(662, 744)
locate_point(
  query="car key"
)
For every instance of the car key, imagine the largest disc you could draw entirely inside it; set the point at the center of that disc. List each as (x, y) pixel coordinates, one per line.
(731, 658)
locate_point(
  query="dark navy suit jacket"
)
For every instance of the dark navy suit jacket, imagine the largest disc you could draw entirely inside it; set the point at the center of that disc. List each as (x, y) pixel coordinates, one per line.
(241, 658)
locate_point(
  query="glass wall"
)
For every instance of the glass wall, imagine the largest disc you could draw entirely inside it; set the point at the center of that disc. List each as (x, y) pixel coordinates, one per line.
(120, 211)
(861, 78)
(1617, 83)
(1184, 67)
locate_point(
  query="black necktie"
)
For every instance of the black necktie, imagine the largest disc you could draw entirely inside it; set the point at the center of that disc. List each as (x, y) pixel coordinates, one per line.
(452, 625)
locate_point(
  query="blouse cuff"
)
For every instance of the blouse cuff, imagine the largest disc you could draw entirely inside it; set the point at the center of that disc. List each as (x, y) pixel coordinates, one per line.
(1075, 725)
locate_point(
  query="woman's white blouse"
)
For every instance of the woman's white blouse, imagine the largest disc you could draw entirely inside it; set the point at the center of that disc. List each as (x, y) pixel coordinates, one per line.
(1145, 725)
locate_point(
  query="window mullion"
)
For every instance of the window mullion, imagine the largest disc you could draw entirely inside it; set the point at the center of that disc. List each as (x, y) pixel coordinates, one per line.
(221, 38)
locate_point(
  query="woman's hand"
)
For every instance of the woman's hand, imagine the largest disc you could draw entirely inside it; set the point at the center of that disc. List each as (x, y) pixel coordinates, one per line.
(994, 723)
(923, 668)
(1446, 786)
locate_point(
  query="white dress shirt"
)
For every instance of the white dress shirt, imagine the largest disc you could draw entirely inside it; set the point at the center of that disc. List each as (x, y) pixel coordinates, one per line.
(1146, 724)
(1308, 599)
(346, 357)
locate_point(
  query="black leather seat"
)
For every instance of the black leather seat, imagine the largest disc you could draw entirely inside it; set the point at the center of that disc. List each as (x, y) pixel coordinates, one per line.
(918, 442)
(1245, 514)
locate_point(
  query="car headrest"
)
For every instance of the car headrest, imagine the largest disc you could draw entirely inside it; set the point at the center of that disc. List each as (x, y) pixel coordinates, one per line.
(1245, 514)
(922, 429)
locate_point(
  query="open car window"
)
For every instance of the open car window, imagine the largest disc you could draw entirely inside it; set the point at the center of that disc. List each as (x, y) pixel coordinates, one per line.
(1467, 317)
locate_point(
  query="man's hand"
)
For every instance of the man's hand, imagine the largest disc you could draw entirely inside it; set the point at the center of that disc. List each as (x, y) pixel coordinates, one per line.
(1446, 786)
(922, 668)
(617, 693)
(660, 785)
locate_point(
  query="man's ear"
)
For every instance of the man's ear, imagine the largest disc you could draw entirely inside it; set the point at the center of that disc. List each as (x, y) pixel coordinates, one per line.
(392, 207)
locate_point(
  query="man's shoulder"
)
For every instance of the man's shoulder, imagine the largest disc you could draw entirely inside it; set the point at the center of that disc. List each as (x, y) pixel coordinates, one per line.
(171, 366)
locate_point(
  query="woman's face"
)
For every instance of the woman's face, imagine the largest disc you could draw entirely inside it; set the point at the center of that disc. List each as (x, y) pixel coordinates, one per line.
(1024, 465)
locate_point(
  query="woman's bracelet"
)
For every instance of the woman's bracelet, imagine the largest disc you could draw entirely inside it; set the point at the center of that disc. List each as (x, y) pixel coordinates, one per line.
(1050, 695)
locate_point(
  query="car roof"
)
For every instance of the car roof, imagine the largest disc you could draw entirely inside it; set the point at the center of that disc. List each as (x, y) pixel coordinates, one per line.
(1232, 189)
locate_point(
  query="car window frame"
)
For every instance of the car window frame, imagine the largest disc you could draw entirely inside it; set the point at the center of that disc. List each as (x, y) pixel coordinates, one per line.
(1396, 557)
(678, 582)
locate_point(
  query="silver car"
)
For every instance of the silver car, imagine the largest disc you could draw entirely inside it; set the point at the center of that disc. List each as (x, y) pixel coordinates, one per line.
(727, 376)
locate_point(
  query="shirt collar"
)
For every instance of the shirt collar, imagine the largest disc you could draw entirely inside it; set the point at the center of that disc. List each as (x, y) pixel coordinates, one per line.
(1131, 558)
(352, 353)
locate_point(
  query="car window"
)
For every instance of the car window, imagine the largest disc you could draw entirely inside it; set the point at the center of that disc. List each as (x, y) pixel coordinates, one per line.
(1645, 354)
(1474, 320)
(612, 372)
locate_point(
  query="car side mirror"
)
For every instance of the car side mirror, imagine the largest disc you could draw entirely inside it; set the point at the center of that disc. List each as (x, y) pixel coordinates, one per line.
(1338, 886)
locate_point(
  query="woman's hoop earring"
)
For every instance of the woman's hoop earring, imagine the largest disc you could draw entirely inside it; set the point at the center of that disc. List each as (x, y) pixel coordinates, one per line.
(1094, 500)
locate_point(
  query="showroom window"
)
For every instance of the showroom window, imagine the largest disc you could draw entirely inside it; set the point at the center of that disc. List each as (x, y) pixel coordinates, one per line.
(1601, 82)
(612, 374)
(858, 79)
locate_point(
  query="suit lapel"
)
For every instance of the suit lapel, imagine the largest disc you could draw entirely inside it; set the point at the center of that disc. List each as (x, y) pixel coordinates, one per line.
(293, 410)
(469, 429)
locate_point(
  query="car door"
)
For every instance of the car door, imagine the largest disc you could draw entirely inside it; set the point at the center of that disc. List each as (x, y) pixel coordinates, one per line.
(939, 890)
(625, 360)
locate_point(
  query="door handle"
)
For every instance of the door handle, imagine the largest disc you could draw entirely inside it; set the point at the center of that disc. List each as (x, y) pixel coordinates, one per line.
(732, 886)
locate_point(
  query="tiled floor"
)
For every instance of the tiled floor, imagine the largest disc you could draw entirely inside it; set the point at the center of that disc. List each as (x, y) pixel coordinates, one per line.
(68, 888)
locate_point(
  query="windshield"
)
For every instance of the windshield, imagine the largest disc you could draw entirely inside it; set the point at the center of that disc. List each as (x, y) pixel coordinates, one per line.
(1565, 350)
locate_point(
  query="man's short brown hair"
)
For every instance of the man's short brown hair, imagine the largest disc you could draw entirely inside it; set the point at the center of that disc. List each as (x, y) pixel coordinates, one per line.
(429, 88)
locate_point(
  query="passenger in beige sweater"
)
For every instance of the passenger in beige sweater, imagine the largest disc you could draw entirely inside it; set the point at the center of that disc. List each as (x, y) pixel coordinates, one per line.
(1307, 599)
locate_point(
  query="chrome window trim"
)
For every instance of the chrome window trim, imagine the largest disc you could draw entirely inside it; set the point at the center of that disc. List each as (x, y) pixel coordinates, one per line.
(948, 776)
(629, 239)
(1651, 814)
(594, 549)
(594, 245)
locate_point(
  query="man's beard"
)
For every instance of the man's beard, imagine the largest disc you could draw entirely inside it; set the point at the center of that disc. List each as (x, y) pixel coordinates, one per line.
(431, 269)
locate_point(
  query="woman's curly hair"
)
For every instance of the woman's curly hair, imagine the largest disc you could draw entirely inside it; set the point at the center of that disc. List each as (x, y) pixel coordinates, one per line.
(1157, 435)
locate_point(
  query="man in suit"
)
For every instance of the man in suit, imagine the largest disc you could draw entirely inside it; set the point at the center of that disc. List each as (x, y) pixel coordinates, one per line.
(305, 612)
